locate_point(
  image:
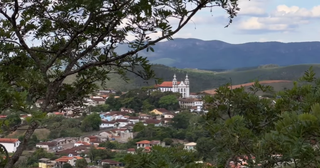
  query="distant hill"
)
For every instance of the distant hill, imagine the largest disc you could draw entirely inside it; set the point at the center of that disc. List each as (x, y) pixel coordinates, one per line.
(204, 80)
(195, 53)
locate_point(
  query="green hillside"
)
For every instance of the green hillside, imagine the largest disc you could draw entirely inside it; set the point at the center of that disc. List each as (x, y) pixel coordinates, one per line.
(202, 79)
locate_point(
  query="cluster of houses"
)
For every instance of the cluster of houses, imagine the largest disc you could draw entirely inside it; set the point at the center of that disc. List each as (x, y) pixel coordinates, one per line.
(81, 148)
(124, 119)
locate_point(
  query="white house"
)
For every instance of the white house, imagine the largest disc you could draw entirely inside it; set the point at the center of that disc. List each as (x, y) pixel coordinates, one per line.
(183, 87)
(190, 146)
(47, 145)
(190, 103)
(168, 115)
(107, 124)
(134, 120)
(122, 122)
(80, 143)
(10, 144)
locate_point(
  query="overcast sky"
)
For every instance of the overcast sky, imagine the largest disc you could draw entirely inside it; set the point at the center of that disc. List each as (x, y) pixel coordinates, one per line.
(258, 21)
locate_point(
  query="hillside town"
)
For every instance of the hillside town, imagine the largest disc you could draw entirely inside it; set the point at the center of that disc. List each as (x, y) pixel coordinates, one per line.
(115, 126)
(159, 84)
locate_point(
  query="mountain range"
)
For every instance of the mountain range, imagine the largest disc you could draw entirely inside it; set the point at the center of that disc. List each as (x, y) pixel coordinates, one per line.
(195, 53)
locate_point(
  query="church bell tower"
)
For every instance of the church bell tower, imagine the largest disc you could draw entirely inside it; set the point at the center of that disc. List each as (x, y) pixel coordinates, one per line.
(186, 81)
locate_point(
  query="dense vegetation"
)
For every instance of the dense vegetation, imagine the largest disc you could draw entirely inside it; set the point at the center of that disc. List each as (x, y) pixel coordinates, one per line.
(266, 132)
(141, 100)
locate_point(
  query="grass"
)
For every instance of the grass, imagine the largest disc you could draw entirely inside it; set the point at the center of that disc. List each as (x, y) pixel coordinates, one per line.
(40, 133)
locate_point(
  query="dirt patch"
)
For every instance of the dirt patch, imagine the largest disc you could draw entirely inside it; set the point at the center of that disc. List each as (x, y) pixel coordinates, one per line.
(213, 91)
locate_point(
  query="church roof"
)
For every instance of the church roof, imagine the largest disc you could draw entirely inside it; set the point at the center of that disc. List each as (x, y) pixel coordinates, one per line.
(167, 84)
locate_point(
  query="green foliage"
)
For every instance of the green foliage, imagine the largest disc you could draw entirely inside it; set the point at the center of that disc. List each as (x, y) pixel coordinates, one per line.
(31, 143)
(167, 141)
(38, 154)
(113, 103)
(169, 102)
(144, 99)
(4, 155)
(81, 163)
(181, 120)
(81, 45)
(60, 126)
(138, 127)
(100, 108)
(162, 157)
(66, 165)
(205, 148)
(96, 155)
(274, 131)
(91, 123)
(10, 123)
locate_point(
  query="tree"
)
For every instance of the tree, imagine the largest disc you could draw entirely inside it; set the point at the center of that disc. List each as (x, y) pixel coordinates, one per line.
(81, 163)
(267, 132)
(91, 122)
(168, 141)
(13, 120)
(66, 165)
(108, 145)
(163, 157)
(138, 127)
(44, 43)
(205, 148)
(169, 102)
(181, 120)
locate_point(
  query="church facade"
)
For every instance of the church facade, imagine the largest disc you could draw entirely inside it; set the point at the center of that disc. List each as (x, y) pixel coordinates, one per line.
(183, 87)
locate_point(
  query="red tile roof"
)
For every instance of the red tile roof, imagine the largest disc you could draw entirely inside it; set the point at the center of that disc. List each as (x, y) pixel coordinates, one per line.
(166, 84)
(8, 140)
(3, 116)
(83, 143)
(152, 121)
(109, 161)
(163, 110)
(143, 142)
(66, 158)
(131, 149)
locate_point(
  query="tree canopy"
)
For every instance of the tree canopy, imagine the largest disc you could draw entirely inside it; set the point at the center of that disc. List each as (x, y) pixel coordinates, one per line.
(266, 132)
(43, 43)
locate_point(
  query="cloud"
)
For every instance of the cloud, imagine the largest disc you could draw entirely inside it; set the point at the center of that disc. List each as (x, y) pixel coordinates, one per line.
(283, 19)
(253, 8)
(295, 11)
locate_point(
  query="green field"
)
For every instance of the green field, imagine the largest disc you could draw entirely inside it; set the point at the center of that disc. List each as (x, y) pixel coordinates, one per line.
(203, 79)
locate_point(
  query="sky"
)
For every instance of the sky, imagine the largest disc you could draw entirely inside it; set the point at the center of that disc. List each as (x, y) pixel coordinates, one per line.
(259, 21)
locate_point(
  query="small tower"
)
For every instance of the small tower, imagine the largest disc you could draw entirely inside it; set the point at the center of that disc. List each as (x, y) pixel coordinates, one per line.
(174, 84)
(186, 81)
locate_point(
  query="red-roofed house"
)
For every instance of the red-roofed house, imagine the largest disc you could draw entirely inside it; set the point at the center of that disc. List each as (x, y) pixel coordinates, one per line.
(131, 150)
(79, 143)
(10, 144)
(111, 163)
(175, 86)
(146, 143)
(47, 145)
(66, 159)
(157, 123)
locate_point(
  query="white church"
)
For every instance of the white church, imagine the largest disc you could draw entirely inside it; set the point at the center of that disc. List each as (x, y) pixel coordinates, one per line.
(183, 87)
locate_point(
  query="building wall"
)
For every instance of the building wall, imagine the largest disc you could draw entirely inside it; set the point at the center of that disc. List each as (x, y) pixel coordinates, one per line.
(46, 147)
(183, 88)
(11, 147)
